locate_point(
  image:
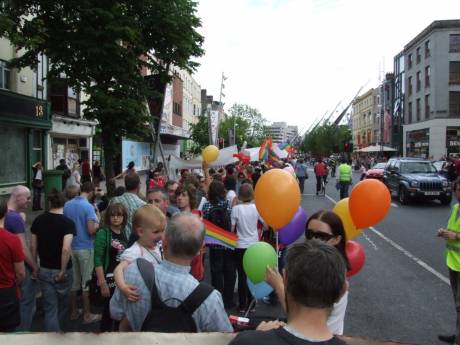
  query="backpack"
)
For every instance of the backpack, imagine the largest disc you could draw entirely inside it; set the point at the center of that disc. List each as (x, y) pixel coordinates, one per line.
(218, 215)
(162, 318)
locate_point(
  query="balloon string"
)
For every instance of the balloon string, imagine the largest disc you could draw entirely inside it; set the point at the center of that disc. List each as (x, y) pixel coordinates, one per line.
(277, 250)
(251, 305)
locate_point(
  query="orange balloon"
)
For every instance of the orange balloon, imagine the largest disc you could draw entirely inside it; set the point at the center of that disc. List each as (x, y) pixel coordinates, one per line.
(369, 203)
(277, 197)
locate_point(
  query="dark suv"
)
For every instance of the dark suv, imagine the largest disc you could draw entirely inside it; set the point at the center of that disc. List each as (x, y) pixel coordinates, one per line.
(411, 178)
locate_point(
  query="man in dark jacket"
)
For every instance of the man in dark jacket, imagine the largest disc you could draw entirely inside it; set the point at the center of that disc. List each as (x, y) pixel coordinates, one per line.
(62, 166)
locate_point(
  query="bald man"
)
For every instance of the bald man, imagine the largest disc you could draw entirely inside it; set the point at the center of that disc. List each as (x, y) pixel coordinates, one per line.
(15, 223)
(183, 239)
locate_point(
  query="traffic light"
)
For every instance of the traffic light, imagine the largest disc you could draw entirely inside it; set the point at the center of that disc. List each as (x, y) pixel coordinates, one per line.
(221, 143)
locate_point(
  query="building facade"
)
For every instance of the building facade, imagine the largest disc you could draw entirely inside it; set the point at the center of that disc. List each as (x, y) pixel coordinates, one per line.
(191, 106)
(24, 119)
(281, 132)
(432, 91)
(398, 104)
(363, 119)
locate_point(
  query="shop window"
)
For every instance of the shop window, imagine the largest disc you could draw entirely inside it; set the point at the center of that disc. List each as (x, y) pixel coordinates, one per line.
(5, 76)
(454, 103)
(454, 72)
(454, 43)
(13, 144)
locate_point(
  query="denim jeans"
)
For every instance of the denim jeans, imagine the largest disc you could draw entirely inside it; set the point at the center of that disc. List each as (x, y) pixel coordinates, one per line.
(223, 272)
(27, 302)
(56, 298)
(344, 189)
(301, 183)
(37, 199)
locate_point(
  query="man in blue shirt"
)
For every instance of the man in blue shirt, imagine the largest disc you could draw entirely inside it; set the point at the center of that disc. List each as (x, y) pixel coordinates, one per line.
(183, 239)
(301, 172)
(86, 222)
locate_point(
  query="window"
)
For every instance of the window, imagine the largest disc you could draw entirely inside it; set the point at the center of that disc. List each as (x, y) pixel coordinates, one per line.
(5, 76)
(64, 100)
(427, 106)
(177, 109)
(417, 109)
(454, 72)
(409, 86)
(427, 49)
(427, 76)
(454, 103)
(409, 61)
(409, 120)
(419, 81)
(419, 55)
(454, 43)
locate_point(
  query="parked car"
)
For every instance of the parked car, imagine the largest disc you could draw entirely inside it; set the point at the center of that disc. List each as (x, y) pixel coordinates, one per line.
(411, 178)
(376, 171)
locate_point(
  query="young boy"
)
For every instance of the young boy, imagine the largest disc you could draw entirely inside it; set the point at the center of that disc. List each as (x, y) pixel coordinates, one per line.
(149, 224)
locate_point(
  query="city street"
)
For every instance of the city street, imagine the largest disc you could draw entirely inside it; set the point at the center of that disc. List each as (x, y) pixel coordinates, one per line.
(402, 293)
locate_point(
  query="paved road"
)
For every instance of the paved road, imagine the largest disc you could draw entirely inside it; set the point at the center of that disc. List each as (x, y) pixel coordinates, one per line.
(402, 292)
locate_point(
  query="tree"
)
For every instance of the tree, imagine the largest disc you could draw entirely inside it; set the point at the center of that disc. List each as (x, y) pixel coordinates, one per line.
(258, 125)
(199, 133)
(239, 124)
(318, 141)
(101, 47)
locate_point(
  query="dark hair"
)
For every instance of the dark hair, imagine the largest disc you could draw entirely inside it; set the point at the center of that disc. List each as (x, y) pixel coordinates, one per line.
(116, 209)
(230, 183)
(192, 180)
(336, 225)
(230, 169)
(315, 274)
(191, 192)
(119, 191)
(170, 183)
(62, 161)
(212, 171)
(132, 181)
(131, 165)
(3, 208)
(87, 187)
(216, 192)
(56, 198)
(246, 192)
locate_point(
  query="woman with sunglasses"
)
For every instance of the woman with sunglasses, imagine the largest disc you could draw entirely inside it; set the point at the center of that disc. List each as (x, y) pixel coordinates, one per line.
(325, 226)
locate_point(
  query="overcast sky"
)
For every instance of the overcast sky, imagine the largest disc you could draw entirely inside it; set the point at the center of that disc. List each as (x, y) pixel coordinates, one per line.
(296, 59)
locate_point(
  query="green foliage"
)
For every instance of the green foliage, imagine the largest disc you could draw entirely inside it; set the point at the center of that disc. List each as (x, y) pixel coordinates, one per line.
(326, 139)
(101, 46)
(199, 134)
(241, 126)
(254, 127)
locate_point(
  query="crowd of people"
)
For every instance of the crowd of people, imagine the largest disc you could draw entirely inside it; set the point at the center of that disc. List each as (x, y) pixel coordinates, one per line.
(136, 262)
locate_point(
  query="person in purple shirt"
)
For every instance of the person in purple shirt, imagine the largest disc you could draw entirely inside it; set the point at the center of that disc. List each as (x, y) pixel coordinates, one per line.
(15, 223)
(86, 222)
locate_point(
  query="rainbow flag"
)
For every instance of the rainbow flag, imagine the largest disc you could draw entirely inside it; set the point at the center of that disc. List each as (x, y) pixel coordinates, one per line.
(216, 235)
(263, 151)
(284, 146)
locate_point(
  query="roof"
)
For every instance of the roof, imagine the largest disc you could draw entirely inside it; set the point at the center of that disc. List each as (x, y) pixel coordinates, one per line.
(436, 25)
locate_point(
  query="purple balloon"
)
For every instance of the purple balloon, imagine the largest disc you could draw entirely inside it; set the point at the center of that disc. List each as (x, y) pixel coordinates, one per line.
(296, 227)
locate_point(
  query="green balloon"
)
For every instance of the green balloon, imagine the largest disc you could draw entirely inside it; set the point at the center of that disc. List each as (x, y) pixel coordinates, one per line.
(256, 259)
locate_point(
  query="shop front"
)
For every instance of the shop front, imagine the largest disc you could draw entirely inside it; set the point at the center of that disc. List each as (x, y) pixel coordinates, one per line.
(418, 143)
(70, 139)
(24, 122)
(453, 140)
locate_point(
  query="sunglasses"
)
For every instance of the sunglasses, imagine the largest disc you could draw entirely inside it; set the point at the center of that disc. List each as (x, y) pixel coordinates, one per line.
(319, 235)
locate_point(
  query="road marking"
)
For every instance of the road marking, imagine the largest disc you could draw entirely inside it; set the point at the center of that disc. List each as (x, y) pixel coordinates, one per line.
(394, 205)
(418, 261)
(370, 241)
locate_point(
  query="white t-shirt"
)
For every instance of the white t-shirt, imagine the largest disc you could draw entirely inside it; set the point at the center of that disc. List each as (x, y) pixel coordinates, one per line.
(202, 202)
(73, 179)
(337, 317)
(230, 196)
(137, 251)
(245, 217)
(39, 175)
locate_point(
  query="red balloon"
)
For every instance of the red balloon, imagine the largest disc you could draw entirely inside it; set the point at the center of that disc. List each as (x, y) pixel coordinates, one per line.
(356, 257)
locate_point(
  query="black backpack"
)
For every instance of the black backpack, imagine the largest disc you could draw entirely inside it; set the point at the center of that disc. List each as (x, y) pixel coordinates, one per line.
(162, 318)
(218, 215)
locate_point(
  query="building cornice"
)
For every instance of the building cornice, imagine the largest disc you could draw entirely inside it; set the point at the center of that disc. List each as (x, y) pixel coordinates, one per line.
(436, 25)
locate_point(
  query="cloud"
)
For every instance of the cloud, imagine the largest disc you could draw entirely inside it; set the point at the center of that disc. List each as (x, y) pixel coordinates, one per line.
(296, 59)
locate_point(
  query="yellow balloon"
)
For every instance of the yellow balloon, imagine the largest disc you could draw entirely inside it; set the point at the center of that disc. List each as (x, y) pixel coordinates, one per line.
(341, 209)
(210, 153)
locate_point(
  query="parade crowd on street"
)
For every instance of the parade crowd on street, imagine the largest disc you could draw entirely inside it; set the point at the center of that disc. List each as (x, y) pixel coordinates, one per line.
(134, 260)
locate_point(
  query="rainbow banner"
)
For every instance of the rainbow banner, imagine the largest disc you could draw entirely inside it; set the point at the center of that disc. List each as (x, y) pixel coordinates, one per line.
(216, 235)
